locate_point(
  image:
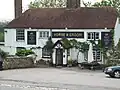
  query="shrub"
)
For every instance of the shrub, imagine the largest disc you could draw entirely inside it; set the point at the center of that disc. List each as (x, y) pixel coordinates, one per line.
(3, 54)
(24, 52)
(69, 61)
(74, 63)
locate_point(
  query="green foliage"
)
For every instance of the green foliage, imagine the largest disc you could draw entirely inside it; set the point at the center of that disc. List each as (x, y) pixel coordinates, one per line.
(3, 54)
(113, 62)
(82, 46)
(87, 4)
(118, 45)
(70, 61)
(49, 44)
(99, 45)
(47, 4)
(66, 43)
(112, 33)
(112, 3)
(24, 52)
(74, 43)
(1, 37)
(2, 25)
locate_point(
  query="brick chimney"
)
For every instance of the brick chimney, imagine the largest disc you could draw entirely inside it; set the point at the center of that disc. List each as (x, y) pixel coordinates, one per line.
(18, 8)
(73, 3)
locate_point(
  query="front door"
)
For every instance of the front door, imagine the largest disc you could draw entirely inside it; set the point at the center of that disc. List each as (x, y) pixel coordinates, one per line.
(59, 56)
(31, 37)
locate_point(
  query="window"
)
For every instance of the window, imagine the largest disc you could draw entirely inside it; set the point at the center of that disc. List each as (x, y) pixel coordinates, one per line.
(40, 34)
(93, 35)
(97, 55)
(89, 35)
(47, 34)
(45, 52)
(20, 35)
(96, 35)
(44, 34)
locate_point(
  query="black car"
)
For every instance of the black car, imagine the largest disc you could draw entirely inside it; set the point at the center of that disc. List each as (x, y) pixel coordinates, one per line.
(113, 71)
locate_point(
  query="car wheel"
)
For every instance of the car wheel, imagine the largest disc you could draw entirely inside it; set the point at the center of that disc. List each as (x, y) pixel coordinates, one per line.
(117, 74)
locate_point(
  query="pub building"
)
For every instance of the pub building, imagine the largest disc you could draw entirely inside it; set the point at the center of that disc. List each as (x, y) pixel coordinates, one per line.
(33, 28)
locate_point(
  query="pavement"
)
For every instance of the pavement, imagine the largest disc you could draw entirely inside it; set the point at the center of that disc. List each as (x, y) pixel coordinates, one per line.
(56, 79)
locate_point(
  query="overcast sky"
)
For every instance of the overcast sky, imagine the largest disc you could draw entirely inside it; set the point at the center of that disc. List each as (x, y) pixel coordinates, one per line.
(7, 8)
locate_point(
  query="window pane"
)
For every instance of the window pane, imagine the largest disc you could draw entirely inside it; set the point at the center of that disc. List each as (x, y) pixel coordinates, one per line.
(96, 55)
(45, 52)
(92, 35)
(40, 34)
(96, 35)
(89, 36)
(47, 34)
(20, 34)
(43, 34)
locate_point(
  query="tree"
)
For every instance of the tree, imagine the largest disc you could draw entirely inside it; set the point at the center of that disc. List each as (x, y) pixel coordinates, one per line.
(112, 3)
(66, 43)
(49, 46)
(118, 44)
(87, 4)
(2, 25)
(47, 4)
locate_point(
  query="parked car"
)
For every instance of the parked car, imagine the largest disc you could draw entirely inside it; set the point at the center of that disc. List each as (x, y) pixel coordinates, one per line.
(113, 71)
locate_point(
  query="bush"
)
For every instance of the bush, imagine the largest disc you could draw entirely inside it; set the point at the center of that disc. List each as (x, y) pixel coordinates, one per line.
(3, 54)
(93, 64)
(70, 62)
(74, 63)
(24, 52)
(113, 62)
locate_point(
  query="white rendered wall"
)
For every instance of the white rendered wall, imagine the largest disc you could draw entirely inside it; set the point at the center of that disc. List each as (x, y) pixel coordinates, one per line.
(11, 43)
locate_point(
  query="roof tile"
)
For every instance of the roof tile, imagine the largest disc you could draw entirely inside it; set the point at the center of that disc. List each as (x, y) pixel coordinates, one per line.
(79, 18)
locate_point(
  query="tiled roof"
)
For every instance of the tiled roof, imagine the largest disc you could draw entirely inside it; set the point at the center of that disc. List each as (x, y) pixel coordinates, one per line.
(56, 18)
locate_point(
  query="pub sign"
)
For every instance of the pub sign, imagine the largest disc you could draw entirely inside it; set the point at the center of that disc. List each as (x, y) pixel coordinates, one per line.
(31, 38)
(106, 38)
(67, 34)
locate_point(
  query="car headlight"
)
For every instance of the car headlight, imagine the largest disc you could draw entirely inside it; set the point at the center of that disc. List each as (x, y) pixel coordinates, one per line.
(109, 69)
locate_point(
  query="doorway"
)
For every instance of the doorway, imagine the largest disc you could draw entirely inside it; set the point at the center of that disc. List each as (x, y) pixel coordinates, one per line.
(59, 56)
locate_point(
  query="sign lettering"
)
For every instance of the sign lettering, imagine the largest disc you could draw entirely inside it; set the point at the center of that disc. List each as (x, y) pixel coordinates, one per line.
(106, 39)
(67, 34)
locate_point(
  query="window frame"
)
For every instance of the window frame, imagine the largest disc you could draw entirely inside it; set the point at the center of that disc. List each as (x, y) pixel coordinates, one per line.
(45, 53)
(93, 36)
(43, 34)
(95, 55)
(96, 35)
(20, 33)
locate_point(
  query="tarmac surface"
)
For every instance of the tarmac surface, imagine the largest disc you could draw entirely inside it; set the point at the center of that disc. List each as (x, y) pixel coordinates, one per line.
(56, 79)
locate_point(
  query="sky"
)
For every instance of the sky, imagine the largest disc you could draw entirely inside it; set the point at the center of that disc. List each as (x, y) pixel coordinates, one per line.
(7, 8)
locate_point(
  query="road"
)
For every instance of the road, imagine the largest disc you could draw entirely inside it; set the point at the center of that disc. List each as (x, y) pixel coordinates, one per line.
(56, 79)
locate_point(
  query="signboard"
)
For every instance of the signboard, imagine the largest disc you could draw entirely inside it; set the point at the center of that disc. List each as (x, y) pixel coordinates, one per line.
(106, 38)
(67, 34)
(31, 37)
